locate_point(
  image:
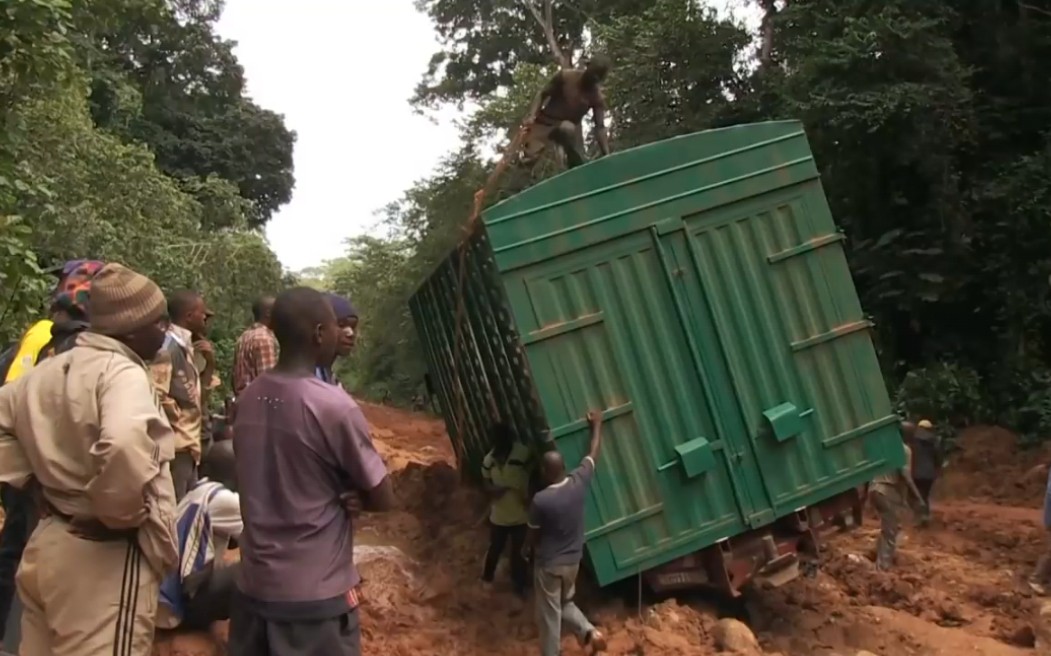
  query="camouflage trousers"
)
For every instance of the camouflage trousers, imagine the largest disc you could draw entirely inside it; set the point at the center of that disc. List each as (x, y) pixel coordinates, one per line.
(888, 504)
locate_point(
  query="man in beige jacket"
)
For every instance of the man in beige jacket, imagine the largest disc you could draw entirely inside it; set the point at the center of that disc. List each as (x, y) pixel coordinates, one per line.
(85, 433)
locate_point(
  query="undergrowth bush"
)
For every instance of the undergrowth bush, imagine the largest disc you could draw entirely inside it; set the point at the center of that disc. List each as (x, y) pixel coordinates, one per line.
(949, 395)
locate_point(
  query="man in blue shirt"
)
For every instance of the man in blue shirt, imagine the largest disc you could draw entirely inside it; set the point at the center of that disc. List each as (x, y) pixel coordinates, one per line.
(556, 530)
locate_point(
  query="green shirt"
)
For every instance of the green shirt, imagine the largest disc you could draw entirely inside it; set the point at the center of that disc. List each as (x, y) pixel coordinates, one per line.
(511, 508)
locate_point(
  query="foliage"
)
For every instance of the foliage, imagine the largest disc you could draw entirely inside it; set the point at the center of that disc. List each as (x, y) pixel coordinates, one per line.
(160, 75)
(677, 72)
(946, 394)
(928, 121)
(77, 180)
(21, 280)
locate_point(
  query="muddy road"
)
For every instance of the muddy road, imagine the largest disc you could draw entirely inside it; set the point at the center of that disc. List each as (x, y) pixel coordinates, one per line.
(958, 587)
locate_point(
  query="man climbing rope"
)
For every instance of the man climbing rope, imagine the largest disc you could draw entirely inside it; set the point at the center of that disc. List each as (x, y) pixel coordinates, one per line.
(561, 106)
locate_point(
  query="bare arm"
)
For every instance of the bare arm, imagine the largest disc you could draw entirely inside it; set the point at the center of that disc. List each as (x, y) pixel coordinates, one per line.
(492, 490)
(595, 420)
(906, 473)
(532, 535)
(544, 94)
(533, 532)
(356, 455)
(599, 113)
(381, 498)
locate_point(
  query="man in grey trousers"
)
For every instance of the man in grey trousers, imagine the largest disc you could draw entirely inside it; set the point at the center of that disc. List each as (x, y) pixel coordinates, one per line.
(556, 537)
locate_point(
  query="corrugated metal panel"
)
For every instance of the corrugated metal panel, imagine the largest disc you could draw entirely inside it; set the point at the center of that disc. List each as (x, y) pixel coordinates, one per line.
(695, 289)
(601, 332)
(495, 378)
(790, 328)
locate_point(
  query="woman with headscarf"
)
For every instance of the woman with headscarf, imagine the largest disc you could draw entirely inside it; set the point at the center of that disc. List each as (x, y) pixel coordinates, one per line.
(67, 318)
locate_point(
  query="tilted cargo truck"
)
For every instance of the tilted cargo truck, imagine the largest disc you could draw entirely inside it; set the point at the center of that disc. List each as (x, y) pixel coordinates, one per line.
(697, 291)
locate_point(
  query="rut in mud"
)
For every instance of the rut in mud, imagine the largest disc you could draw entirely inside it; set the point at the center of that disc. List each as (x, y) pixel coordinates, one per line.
(958, 586)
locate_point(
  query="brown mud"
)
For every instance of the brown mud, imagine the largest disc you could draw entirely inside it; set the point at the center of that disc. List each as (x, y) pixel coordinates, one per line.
(957, 588)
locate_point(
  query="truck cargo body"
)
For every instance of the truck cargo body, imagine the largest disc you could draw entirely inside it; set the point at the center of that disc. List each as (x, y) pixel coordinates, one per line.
(696, 289)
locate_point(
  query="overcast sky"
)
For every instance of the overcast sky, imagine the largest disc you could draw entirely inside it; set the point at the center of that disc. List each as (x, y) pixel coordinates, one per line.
(341, 72)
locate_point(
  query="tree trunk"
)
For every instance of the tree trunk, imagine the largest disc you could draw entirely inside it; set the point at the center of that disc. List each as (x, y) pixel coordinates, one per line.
(543, 12)
(767, 29)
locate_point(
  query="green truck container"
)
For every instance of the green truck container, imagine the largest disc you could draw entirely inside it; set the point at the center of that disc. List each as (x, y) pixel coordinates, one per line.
(695, 290)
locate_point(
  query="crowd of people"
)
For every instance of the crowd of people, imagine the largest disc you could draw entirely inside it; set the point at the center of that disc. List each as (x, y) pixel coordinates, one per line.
(122, 499)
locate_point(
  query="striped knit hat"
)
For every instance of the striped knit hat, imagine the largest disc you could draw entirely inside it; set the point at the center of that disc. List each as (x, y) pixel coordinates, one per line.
(122, 301)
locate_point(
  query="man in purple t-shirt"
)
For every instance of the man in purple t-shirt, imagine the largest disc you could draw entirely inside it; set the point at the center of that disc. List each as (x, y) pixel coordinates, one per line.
(556, 536)
(303, 449)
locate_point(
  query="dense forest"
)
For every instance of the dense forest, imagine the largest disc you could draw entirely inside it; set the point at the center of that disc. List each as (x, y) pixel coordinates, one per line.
(929, 120)
(128, 135)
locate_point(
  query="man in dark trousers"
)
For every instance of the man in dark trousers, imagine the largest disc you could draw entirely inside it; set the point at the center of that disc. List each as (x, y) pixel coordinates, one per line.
(505, 472)
(304, 458)
(926, 463)
(561, 106)
(556, 538)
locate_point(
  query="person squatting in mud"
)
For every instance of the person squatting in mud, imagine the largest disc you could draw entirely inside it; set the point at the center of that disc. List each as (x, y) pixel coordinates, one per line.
(556, 541)
(889, 493)
(298, 589)
(559, 109)
(84, 434)
(200, 591)
(505, 475)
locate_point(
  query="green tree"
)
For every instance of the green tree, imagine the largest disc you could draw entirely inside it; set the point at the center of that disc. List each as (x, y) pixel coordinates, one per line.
(162, 76)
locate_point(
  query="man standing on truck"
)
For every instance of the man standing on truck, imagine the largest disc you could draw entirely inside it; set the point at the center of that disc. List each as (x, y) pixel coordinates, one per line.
(561, 106)
(556, 530)
(889, 493)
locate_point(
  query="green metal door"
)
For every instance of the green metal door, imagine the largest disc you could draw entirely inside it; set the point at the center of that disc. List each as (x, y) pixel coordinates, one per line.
(696, 319)
(774, 296)
(608, 333)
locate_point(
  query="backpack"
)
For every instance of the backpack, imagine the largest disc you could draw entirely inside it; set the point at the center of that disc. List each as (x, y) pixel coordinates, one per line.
(193, 527)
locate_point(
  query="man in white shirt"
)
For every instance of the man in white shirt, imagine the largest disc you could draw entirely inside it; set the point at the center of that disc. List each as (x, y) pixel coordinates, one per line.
(207, 520)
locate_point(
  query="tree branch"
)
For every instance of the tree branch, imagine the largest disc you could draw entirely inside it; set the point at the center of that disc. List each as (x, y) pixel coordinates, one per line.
(767, 28)
(1024, 7)
(547, 24)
